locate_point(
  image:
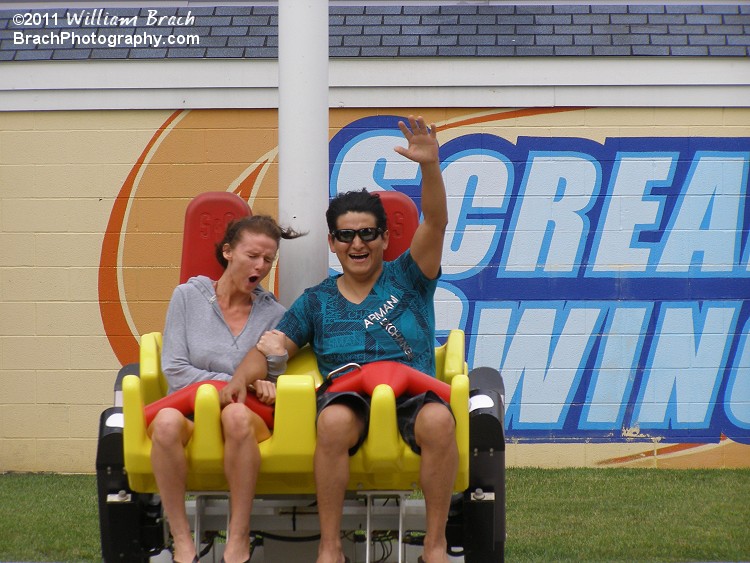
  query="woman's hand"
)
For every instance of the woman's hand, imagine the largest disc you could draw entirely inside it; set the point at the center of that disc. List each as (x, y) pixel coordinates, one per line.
(233, 392)
(272, 343)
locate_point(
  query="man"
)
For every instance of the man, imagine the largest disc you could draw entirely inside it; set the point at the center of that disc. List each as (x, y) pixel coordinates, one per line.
(336, 319)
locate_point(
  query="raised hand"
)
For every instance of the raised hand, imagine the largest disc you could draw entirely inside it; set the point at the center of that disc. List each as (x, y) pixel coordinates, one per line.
(423, 146)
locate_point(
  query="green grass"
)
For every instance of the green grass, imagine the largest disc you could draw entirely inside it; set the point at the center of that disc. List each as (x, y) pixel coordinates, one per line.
(552, 515)
(628, 515)
(46, 517)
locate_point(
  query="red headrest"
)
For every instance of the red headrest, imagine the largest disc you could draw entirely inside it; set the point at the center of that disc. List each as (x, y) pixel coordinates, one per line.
(206, 220)
(403, 220)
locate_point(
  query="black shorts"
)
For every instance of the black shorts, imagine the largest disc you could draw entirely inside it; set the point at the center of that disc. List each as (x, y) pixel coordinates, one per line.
(407, 409)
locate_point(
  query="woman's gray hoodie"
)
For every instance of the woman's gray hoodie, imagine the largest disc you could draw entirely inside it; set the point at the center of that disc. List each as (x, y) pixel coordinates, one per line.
(198, 344)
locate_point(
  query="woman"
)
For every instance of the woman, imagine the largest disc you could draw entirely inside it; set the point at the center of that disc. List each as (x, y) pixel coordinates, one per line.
(210, 327)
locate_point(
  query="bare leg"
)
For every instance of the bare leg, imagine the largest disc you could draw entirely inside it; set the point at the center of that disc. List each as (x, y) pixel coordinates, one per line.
(339, 429)
(435, 432)
(243, 429)
(170, 431)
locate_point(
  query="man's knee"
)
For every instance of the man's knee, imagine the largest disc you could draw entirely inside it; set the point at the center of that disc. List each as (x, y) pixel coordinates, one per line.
(435, 425)
(338, 426)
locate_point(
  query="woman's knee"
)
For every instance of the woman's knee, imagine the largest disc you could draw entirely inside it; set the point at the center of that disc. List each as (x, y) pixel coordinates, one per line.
(169, 427)
(236, 421)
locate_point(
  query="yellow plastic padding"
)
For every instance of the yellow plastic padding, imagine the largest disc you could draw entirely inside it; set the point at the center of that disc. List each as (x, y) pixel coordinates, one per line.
(384, 461)
(135, 441)
(153, 380)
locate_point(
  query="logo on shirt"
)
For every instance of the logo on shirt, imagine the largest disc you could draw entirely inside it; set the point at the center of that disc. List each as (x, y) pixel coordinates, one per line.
(379, 317)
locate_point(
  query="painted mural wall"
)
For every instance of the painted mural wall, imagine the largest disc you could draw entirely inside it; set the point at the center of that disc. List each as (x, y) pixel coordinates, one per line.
(598, 257)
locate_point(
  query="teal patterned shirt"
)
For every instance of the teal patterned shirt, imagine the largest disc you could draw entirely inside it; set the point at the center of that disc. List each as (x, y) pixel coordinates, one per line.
(396, 321)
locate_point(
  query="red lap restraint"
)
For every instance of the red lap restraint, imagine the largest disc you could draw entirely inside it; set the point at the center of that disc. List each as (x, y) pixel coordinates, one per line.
(184, 401)
(400, 377)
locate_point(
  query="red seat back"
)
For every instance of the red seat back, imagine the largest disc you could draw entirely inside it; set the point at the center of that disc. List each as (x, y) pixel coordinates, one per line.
(403, 220)
(206, 220)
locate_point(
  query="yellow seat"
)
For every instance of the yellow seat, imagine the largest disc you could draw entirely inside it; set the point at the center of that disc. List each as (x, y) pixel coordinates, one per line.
(384, 462)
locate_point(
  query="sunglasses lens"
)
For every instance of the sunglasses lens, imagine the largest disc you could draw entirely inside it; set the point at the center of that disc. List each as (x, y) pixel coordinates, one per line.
(344, 235)
(368, 234)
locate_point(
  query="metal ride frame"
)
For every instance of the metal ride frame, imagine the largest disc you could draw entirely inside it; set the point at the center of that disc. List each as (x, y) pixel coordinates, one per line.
(133, 528)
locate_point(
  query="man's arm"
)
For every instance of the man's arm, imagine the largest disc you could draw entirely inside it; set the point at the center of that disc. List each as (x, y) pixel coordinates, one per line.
(427, 243)
(252, 368)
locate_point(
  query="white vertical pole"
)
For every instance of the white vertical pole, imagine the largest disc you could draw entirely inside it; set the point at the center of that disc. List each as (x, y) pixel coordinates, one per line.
(303, 143)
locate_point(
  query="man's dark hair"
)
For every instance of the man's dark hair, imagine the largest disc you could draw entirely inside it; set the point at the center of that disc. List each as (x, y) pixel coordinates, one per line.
(359, 201)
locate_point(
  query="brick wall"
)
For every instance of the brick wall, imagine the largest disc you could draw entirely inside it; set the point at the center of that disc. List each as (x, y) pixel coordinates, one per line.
(61, 174)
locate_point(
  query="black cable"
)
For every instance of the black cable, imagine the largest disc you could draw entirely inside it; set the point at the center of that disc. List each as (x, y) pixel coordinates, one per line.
(291, 539)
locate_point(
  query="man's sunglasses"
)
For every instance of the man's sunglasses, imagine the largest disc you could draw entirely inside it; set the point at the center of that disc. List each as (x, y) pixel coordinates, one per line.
(368, 234)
